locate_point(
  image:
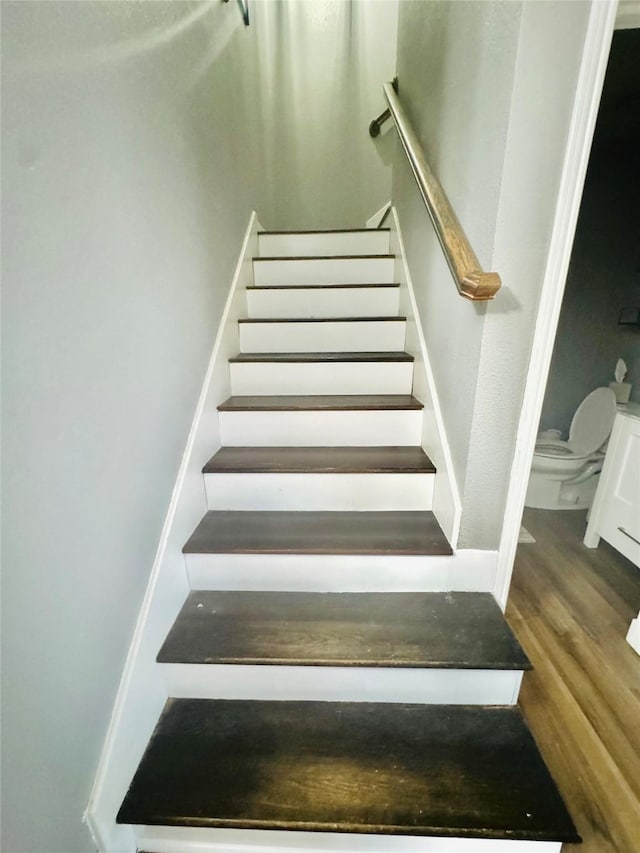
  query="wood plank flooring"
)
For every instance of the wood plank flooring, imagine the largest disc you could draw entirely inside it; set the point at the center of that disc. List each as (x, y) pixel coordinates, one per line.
(571, 607)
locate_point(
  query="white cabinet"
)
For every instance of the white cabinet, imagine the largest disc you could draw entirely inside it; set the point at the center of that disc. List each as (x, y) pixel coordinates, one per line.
(615, 515)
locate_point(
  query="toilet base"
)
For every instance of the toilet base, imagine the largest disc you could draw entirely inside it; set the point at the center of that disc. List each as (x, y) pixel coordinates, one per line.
(543, 493)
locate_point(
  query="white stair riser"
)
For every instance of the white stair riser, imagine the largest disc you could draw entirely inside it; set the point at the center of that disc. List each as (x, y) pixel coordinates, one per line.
(365, 336)
(314, 491)
(324, 271)
(178, 839)
(342, 684)
(367, 242)
(321, 428)
(319, 572)
(343, 377)
(323, 302)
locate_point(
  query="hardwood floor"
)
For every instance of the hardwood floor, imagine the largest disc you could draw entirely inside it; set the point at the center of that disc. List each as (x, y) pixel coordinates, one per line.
(571, 607)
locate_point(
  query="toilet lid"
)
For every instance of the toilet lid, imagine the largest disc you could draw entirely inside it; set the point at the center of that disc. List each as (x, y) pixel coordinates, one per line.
(592, 421)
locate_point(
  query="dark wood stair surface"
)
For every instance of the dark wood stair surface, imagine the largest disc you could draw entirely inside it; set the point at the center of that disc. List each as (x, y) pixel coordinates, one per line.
(370, 256)
(319, 402)
(321, 356)
(320, 460)
(279, 532)
(319, 286)
(391, 319)
(443, 770)
(324, 231)
(463, 630)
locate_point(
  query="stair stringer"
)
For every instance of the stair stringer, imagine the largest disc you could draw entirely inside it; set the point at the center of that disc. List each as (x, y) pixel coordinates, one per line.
(142, 692)
(447, 506)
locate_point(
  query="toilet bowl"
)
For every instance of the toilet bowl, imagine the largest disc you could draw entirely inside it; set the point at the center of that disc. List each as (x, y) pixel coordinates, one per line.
(564, 474)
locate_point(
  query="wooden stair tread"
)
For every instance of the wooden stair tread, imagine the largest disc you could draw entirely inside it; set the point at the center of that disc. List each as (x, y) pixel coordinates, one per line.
(313, 357)
(370, 256)
(441, 770)
(391, 319)
(462, 630)
(326, 231)
(328, 460)
(318, 286)
(319, 402)
(271, 532)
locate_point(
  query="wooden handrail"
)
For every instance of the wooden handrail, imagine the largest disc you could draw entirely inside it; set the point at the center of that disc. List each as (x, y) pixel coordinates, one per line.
(470, 278)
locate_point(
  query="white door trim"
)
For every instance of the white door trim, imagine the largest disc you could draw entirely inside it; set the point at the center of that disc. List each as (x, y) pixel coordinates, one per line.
(585, 110)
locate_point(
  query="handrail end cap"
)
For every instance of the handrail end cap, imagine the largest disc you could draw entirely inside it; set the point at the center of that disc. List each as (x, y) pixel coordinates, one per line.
(480, 286)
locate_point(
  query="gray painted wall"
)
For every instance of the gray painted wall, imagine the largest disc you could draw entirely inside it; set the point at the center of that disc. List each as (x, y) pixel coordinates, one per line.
(137, 138)
(120, 235)
(322, 67)
(455, 68)
(489, 87)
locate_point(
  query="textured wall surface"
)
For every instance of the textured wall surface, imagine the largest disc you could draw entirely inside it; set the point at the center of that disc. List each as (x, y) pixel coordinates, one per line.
(456, 65)
(120, 235)
(137, 138)
(490, 88)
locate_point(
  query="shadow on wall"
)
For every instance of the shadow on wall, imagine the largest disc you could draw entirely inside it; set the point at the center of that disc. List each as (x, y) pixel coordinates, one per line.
(604, 273)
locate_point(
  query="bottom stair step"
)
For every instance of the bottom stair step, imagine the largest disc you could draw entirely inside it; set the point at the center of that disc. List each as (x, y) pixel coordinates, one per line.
(341, 767)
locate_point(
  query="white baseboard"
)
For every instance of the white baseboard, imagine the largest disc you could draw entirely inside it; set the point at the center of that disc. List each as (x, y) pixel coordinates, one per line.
(447, 506)
(142, 692)
(171, 839)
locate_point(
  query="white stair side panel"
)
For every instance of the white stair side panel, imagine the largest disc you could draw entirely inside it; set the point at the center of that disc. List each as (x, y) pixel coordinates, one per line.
(319, 491)
(377, 428)
(305, 244)
(141, 693)
(341, 377)
(364, 270)
(178, 839)
(447, 505)
(341, 336)
(340, 572)
(323, 302)
(343, 684)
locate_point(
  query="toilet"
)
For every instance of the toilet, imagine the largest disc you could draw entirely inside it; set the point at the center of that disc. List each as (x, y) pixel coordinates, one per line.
(564, 474)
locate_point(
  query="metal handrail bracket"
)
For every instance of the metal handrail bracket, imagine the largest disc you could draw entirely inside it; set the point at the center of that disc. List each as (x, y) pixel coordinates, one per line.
(469, 276)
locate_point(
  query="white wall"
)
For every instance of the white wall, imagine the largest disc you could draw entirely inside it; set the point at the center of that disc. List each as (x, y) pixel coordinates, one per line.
(128, 182)
(137, 137)
(323, 63)
(506, 75)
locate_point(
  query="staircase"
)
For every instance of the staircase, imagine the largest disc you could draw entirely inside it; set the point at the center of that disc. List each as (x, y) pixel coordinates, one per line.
(326, 694)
